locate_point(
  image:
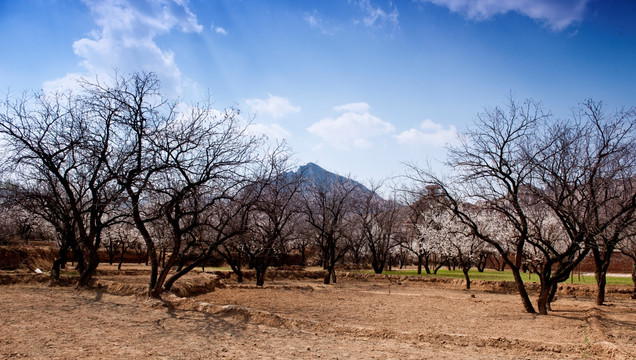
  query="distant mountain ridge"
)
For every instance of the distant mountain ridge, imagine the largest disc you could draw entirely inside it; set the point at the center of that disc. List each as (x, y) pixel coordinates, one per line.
(315, 174)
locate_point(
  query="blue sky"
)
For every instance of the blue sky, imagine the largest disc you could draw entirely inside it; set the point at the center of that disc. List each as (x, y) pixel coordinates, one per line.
(358, 86)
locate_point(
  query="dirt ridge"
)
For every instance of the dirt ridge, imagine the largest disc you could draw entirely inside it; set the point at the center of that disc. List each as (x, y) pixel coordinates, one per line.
(265, 318)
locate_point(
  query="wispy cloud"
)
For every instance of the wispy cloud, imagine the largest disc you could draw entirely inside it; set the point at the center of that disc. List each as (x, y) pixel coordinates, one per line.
(219, 30)
(272, 131)
(429, 133)
(356, 127)
(376, 16)
(369, 14)
(557, 15)
(274, 106)
(125, 37)
(316, 21)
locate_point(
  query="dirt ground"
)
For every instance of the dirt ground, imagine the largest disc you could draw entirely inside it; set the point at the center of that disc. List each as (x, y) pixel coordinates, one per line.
(304, 319)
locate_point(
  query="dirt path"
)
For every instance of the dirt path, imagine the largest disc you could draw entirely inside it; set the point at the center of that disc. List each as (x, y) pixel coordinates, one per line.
(308, 320)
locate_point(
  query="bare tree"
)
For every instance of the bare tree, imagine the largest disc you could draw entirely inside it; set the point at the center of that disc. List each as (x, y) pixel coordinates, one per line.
(302, 241)
(45, 200)
(493, 166)
(232, 253)
(18, 225)
(63, 140)
(586, 178)
(327, 208)
(274, 211)
(174, 166)
(119, 239)
(111, 245)
(610, 187)
(561, 189)
(379, 223)
(206, 168)
(358, 253)
(225, 220)
(628, 247)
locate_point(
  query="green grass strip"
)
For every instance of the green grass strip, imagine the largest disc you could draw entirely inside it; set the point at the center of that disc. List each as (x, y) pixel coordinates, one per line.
(506, 275)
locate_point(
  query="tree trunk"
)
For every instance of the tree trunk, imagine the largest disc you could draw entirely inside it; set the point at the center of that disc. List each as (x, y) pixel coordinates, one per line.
(544, 297)
(601, 262)
(525, 299)
(167, 286)
(151, 255)
(330, 261)
(481, 264)
(181, 263)
(260, 276)
(419, 264)
(237, 269)
(601, 281)
(465, 271)
(55, 271)
(552, 295)
(549, 284)
(377, 267)
(121, 256)
(156, 291)
(59, 263)
(439, 266)
(86, 276)
(78, 256)
(634, 279)
(303, 256)
(327, 279)
(494, 262)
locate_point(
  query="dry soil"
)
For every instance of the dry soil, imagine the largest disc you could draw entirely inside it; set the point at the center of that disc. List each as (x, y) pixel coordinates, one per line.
(304, 319)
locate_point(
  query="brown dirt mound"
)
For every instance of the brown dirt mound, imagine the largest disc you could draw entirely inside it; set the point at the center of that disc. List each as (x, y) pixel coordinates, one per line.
(16, 257)
(118, 288)
(186, 287)
(200, 284)
(20, 277)
(123, 272)
(275, 274)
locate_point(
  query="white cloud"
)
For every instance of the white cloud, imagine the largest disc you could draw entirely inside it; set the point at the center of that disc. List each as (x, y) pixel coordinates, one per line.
(376, 16)
(359, 107)
(429, 133)
(219, 30)
(68, 82)
(356, 127)
(557, 15)
(316, 21)
(274, 106)
(272, 131)
(125, 39)
(370, 16)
